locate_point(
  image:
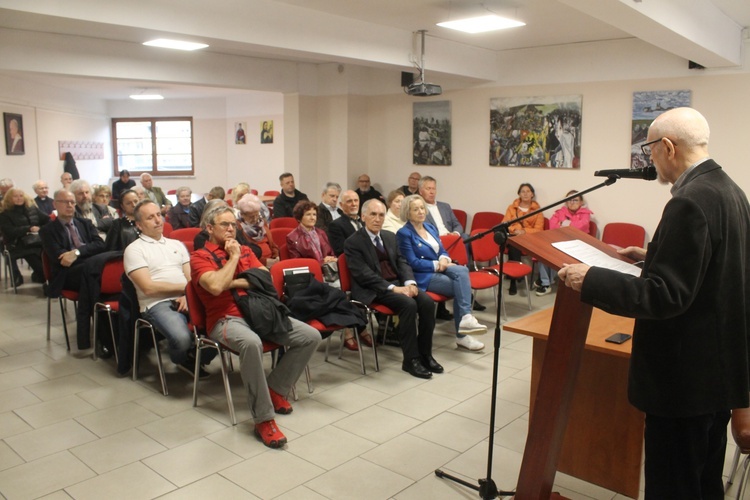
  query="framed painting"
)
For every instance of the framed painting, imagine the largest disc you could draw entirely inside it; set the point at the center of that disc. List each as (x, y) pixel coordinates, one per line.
(431, 133)
(647, 106)
(13, 134)
(536, 131)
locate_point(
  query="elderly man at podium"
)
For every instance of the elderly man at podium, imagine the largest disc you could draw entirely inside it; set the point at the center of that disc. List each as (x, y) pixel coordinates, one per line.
(689, 364)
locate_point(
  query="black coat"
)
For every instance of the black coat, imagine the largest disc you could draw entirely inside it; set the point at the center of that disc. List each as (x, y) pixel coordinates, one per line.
(338, 231)
(16, 222)
(55, 242)
(690, 343)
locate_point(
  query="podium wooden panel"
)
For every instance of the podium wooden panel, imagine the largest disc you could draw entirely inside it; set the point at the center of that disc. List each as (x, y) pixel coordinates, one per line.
(603, 440)
(562, 360)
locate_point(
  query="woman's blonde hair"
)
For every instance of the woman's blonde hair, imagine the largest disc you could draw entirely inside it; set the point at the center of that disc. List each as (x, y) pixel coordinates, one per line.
(7, 202)
(406, 205)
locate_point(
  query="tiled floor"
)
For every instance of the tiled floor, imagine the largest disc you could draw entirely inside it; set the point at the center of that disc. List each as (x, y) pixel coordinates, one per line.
(70, 428)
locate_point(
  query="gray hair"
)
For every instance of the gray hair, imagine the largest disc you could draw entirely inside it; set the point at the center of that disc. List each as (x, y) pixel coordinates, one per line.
(370, 202)
(7, 183)
(144, 175)
(34, 186)
(213, 209)
(182, 189)
(332, 185)
(78, 184)
(406, 205)
(426, 178)
(137, 210)
(61, 191)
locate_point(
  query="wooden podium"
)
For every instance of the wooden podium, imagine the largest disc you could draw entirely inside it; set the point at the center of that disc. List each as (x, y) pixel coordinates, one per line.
(567, 337)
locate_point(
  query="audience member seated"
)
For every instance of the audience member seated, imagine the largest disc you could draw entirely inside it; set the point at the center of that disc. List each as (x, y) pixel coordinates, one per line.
(419, 243)
(343, 227)
(283, 205)
(196, 209)
(103, 196)
(5, 185)
(521, 206)
(202, 237)
(42, 200)
(68, 242)
(215, 271)
(179, 215)
(123, 231)
(393, 220)
(308, 241)
(66, 179)
(120, 185)
(573, 214)
(20, 222)
(412, 184)
(380, 274)
(140, 192)
(328, 211)
(160, 269)
(154, 193)
(86, 209)
(241, 190)
(255, 229)
(365, 191)
(440, 215)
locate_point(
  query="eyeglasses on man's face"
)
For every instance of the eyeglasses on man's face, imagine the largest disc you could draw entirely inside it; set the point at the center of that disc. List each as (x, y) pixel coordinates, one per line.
(226, 225)
(646, 148)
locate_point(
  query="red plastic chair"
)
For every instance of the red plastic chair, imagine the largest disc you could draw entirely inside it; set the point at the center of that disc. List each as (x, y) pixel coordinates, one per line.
(168, 229)
(486, 220)
(481, 279)
(197, 313)
(185, 235)
(254, 191)
(623, 234)
(485, 249)
(277, 274)
(112, 287)
(172, 191)
(593, 229)
(271, 193)
(64, 295)
(280, 222)
(462, 217)
(278, 235)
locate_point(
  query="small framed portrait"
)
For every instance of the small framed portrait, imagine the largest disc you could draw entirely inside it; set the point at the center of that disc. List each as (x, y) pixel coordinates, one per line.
(239, 133)
(13, 134)
(266, 132)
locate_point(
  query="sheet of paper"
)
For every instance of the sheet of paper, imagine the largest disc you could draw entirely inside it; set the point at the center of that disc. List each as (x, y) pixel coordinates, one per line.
(595, 257)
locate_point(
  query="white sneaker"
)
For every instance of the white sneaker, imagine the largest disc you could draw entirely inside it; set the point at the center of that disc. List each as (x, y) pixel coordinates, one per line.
(470, 343)
(469, 324)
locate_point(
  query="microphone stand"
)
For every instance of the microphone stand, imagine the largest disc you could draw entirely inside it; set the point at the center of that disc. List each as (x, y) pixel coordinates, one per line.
(487, 488)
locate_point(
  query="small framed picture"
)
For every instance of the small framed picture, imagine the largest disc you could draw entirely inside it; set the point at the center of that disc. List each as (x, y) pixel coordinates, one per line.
(266, 132)
(13, 134)
(239, 133)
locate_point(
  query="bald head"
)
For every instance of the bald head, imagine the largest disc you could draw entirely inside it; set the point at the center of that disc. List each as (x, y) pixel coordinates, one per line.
(350, 203)
(679, 138)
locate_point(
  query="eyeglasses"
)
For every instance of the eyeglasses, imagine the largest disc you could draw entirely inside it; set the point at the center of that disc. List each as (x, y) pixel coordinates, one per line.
(646, 148)
(575, 200)
(226, 225)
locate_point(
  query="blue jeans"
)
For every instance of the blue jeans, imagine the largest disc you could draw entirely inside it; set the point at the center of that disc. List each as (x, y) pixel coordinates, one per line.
(454, 282)
(546, 274)
(173, 325)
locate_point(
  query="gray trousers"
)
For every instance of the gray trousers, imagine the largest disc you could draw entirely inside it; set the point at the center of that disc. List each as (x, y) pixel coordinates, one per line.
(300, 344)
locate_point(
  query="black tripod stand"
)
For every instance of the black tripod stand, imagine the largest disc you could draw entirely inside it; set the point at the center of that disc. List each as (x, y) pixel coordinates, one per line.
(487, 488)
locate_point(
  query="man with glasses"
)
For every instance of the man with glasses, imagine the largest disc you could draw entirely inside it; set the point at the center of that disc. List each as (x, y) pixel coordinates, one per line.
(68, 241)
(215, 271)
(412, 186)
(689, 362)
(365, 191)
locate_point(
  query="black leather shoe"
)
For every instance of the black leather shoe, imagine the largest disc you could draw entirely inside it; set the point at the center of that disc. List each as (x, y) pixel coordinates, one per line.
(415, 368)
(443, 313)
(513, 288)
(432, 365)
(103, 351)
(478, 307)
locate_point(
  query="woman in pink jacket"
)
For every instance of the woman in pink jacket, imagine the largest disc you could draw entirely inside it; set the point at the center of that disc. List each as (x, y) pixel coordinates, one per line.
(574, 214)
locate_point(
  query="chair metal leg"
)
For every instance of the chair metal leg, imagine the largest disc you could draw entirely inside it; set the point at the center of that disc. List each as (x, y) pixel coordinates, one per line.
(528, 290)
(142, 323)
(49, 315)
(743, 480)
(112, 332)
(64, 321)
(95, 328)
(308, 377)
(227, 389)
(159, 364)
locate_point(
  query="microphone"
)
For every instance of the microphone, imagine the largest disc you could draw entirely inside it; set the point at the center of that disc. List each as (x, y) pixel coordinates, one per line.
(647, 173)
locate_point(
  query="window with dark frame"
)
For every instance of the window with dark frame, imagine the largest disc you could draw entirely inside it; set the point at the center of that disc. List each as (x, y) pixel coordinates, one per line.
(158, 146)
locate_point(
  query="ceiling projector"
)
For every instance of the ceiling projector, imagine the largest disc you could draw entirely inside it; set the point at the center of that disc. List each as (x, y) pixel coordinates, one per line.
(424, 89)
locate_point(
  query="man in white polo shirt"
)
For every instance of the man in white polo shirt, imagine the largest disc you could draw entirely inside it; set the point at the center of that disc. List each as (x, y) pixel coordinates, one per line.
(160, 269)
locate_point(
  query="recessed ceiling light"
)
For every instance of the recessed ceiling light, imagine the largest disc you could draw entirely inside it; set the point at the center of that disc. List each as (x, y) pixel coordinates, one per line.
(175, 44)
(482, 24)
(147, 97)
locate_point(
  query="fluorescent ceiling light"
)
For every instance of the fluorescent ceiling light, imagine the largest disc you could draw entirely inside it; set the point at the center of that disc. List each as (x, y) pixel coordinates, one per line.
(175, 44)
(147, 97)
(482, 24)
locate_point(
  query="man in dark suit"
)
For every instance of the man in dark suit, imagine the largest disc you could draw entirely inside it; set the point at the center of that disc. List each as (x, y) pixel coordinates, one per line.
(380, 274)
(196, 209)
(327, 209)
(346, 225)
(68, 241)
(87, 209)
(42, 200)
(689, 362)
